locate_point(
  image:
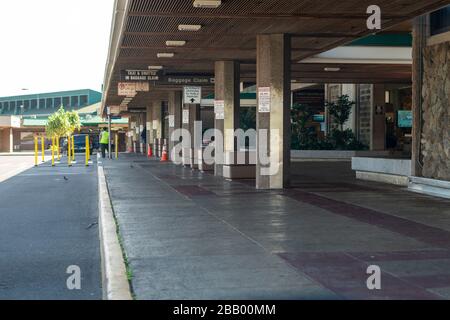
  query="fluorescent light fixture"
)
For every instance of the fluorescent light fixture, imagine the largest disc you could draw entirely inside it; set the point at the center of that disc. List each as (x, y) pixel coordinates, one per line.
(189, 27)
(155, 67)
(330, 69)
(165, 55)
(207, 3)
(173, 43)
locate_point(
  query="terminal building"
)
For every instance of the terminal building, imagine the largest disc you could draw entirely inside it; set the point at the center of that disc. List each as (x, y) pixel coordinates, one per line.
(22, 117)
(275, 54)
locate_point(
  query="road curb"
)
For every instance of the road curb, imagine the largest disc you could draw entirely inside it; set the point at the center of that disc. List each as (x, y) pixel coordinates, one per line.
(114, 275)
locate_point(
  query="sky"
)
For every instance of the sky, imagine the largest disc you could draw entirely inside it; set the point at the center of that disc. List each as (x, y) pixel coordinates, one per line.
(53, 45)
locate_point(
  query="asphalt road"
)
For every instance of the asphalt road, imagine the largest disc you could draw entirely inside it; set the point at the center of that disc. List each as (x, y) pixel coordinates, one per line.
(48, 224)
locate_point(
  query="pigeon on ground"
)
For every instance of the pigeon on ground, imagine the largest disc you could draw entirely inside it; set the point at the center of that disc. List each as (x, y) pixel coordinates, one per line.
(65, 178)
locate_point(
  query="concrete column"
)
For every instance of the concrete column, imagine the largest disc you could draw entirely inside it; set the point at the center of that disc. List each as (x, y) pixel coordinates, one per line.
(194, 116)
(227, 89)
(273, 77)
(157, 128)
(186, 150)
(11, 140)
(150, 127)
(175, 109)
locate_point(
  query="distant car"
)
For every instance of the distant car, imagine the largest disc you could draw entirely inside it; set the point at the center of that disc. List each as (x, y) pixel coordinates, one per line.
(79, 144)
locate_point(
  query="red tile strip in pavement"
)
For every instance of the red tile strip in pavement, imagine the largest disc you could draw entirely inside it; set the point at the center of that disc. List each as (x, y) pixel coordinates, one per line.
(420, 232)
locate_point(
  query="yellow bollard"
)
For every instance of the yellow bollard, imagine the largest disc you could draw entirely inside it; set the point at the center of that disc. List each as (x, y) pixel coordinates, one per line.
(117, 146)
(53, 151)
(73, 148)
(57, 148)
(87, 151)
(89, 148)
(69, 149)
(43, 148)
(36, 148)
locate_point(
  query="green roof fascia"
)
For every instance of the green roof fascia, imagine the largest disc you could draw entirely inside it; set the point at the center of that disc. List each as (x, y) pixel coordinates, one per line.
(244, 96)
(385, 40)
(93, 96)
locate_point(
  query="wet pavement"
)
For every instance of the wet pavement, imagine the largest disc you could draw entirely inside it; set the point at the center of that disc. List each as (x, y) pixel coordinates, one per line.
(190, 235)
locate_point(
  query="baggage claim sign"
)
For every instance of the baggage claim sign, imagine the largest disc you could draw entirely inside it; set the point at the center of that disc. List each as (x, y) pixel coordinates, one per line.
(158, 78)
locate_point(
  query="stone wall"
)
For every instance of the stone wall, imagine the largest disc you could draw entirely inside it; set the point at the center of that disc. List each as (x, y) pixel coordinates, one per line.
(436, 112)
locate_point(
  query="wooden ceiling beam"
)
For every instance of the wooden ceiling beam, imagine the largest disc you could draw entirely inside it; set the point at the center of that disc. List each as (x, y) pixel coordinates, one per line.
(246, 34)
(187, 49)
(287, 16)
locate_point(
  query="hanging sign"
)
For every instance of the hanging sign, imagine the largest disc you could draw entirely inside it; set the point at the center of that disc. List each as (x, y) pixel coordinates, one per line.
(130, 89)
(264, 99)
(140, 75)
(219, 109)
(192, 95)
(186, 116)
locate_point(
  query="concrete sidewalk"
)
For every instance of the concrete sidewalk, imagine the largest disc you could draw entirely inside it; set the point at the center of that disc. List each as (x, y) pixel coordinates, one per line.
(190, 235)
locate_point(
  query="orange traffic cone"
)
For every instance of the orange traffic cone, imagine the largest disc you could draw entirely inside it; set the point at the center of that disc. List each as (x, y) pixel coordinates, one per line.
(164, 156)
(150, 151)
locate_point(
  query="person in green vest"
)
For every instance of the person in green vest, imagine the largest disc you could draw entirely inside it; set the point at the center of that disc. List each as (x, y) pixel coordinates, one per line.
(104, 142)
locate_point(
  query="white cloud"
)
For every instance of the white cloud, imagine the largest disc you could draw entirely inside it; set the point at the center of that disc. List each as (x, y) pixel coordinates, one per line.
(53, 45)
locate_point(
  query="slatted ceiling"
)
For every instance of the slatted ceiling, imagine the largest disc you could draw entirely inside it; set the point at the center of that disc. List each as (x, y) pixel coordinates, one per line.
(235, 25)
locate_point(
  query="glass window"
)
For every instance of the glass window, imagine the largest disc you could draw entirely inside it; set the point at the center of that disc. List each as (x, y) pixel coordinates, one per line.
(26, 105)
(41, 103)
(66, 102)
(440, 21)
(57, 102)
(74, 102)
(34, 104)
(49, 103)
(84, 101)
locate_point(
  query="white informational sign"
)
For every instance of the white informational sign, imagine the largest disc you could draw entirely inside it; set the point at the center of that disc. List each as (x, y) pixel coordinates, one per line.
(192, 95)
(186, 116)
(133, 125)
(129, 89)
(219, 109)
(264, 100)
(155, 124)
(149, 126)
(171, 121)
(142, 128)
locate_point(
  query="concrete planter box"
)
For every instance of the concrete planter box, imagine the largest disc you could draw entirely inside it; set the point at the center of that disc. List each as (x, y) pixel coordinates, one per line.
(432, 187)
(302, 155)
(232, 169)
(393, 171)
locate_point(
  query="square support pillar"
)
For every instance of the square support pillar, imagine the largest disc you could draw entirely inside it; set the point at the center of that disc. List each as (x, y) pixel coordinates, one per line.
(157, 128)
(191, 114)
(175, 110)
(150, 135)
(274, 111)
(227, 89)
(194, 116)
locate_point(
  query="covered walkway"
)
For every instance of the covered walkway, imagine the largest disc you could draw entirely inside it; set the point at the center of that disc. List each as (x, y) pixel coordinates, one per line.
(190, 235)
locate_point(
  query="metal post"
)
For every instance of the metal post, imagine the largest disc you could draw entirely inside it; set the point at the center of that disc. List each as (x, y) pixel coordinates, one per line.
(53, 151)
(109, 142)
(36, 148)
(73, 148)
(87, 151)
(57, 148)
(43, 148)
(117, 146)
(69, 149)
